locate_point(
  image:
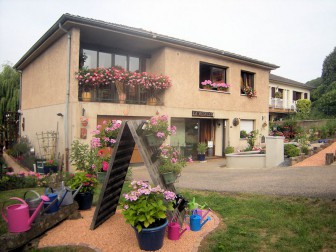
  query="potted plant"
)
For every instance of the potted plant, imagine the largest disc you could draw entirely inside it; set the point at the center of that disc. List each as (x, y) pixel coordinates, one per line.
(145, 209)
(87, 161)
(207, 84)
(201, 149)
(249, 91)
(156, 130)
(222, 86)
(89, 182)
(84, 121)
(278, 95)
(50, 165)
(101, 173)
(172, 163)
(105, 135)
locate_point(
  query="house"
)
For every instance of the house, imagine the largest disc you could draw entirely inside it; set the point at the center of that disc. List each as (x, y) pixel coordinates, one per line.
(52, 99)
(283, 95)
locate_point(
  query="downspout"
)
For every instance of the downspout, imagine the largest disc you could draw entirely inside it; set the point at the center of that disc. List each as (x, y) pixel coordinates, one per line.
(67, 99)
(20, 98)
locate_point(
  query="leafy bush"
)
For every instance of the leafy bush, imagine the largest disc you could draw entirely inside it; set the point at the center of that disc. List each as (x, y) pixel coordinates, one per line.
(15, 181)
(243, 134)
(331, 128)
(229, 150)
(304, 149)
(291, 150)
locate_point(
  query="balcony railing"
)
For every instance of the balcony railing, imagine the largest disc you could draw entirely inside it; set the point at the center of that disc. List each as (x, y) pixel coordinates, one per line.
(278, 103)
(109, 94)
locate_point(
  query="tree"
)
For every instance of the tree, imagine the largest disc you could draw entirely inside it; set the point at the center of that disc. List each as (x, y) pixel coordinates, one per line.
(9, 90)
(329, 69)
(303, 108)
(324, 96)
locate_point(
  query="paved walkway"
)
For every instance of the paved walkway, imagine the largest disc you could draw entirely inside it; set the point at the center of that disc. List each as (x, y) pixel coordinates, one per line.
(313, 181)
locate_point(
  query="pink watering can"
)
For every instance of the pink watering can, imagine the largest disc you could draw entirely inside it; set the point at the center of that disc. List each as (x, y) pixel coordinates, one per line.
(18, 219)
(174, 231)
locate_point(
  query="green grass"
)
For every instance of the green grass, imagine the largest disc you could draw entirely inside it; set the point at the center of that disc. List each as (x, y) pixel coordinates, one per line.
(269, 223)
(255, 222)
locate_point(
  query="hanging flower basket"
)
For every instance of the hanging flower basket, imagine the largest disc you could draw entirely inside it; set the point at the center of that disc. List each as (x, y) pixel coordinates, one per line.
(169, 177)
(153, 141)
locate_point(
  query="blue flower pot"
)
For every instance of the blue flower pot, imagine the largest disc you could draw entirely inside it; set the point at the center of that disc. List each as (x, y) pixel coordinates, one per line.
(84, 200)
(151, 239)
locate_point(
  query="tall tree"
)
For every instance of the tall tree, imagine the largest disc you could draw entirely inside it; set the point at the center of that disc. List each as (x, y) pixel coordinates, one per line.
(329, 69)
(9, 90)
(324, 96)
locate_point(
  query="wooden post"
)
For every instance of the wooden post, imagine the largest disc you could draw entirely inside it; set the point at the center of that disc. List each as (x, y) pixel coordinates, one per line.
(329, 158)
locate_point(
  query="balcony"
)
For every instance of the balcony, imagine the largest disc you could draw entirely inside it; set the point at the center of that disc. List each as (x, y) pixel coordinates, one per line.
(278, 105)
(109, 94)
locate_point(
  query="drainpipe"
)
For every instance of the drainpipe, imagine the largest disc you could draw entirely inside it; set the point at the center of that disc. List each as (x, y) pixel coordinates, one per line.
(20, 97)
(67, 98)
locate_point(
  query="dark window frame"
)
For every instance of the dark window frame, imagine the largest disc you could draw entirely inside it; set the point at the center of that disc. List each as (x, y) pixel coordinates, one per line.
(113, 53)
(206, 70)
(245, 75)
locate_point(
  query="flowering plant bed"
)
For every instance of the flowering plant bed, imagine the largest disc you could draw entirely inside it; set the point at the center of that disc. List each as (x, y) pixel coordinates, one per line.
(106, 76)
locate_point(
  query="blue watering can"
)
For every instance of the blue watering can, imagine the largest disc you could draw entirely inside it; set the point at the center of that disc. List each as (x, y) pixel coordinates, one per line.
(195, 222)
(53, 204)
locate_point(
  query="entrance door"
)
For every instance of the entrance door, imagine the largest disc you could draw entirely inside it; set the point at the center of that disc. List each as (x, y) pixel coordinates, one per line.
(206, 130)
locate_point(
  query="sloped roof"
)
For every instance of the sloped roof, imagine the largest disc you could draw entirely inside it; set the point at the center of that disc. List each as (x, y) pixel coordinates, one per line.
(69, 21)
(289, 82)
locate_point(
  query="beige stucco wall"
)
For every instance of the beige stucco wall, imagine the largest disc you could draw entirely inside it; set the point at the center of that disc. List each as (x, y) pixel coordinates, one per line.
(44, 94)
(184, 96)
(44, 90)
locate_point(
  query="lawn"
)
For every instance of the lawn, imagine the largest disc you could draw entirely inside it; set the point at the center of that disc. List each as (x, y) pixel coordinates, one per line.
(269, 223)
(259, 223)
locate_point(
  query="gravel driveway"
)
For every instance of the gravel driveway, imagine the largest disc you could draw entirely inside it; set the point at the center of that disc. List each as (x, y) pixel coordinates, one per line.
(315, 181)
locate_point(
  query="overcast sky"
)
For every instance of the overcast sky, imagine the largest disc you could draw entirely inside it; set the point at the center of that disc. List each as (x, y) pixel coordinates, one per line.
(296, 35)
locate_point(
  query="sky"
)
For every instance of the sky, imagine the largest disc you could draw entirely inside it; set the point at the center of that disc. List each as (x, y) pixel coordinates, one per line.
(296, 35)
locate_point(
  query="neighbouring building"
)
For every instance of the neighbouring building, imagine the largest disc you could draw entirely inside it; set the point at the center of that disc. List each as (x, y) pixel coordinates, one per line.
(283, 95)
(51, 98)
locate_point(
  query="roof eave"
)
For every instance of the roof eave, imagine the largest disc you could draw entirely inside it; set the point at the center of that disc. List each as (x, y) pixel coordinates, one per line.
(141, 33)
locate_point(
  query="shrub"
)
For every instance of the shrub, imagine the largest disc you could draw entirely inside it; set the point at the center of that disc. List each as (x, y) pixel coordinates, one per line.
(15, 181)
(291, 150)
(304, 149)
(229, 150)
(243, 134)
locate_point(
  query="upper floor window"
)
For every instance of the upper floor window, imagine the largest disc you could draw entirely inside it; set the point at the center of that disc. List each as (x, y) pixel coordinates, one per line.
(247, 81)
(94, 59)
(277, 92)
(297, 95)
(212, 77)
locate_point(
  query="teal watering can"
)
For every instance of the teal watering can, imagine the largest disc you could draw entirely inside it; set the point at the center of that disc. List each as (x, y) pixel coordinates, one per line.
(195, 222)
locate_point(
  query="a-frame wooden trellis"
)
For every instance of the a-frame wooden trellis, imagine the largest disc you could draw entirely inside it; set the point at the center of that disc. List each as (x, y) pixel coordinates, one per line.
(130, 133)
